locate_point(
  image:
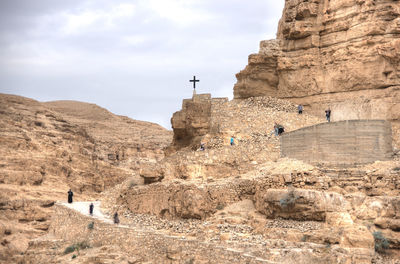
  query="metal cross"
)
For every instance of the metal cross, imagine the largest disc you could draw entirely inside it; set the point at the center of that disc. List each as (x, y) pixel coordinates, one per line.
(194, 81)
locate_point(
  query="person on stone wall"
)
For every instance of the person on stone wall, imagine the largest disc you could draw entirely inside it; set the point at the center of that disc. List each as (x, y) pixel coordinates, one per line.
(91, 207)
(232, 141)
(328, 114)
(116, 218)
(70, 194)
(281, 129)
(300, 109)
(278, 129)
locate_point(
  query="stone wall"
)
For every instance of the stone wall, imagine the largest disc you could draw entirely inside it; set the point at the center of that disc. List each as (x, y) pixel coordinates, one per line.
(348, 142)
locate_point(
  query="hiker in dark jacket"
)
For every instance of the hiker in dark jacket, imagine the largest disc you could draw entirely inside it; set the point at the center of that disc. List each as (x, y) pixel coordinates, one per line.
(116, 218)
(70, 194)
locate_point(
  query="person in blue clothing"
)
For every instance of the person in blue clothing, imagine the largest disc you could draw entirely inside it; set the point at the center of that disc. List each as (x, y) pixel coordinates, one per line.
(328, 114)
(300, 109)
(232, 141)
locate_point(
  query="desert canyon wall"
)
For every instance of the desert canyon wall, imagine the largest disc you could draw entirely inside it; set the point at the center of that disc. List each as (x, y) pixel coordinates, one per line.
(342, 54)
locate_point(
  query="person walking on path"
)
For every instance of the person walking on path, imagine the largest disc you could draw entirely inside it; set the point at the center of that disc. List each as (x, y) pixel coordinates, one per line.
(300, 109)
(91, 207)
(70, 194)
(202, 146)
(232, 141)
(116, 218)
(328, 114)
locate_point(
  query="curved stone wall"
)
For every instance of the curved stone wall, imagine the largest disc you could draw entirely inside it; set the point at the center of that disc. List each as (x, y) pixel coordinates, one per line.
(349, 142)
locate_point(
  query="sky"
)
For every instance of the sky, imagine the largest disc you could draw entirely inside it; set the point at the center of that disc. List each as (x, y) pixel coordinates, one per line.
(132, 57)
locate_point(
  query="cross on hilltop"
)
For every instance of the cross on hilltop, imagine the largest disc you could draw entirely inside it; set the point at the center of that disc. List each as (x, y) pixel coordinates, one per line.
(194, 81)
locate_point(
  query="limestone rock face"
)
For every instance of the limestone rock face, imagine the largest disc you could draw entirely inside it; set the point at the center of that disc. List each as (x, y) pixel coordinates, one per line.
(342, 54)
(260, 77)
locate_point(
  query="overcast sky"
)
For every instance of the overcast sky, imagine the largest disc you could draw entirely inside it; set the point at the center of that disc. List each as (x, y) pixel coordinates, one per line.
(133, 57)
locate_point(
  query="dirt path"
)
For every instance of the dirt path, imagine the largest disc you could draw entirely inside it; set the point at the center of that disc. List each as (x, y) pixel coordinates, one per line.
(83, 208)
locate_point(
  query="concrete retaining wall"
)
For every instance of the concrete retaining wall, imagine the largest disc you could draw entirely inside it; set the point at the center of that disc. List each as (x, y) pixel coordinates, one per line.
(349, 142)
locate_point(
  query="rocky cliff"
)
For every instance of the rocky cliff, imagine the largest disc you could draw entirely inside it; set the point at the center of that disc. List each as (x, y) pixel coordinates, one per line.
(342, 54)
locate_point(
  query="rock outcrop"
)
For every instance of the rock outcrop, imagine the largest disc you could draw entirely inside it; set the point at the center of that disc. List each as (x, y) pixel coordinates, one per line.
(342, 54)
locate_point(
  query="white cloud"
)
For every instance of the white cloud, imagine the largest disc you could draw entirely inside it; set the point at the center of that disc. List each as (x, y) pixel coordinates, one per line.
(183, 13)
(134, 40)
(101, 19)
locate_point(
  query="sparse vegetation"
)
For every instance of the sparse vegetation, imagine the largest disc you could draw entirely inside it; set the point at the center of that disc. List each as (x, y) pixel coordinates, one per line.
(305, 238)
(69, 249)
(76, 247)
(381, 242)
(132, 184)
(73, 256)
(327, 244)
(91, 225)
(220, 206)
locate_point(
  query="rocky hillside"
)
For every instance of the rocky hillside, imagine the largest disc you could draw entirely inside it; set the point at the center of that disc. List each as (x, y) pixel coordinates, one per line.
(342, 54)
(242, 203)
(47, 148)
(244, 197)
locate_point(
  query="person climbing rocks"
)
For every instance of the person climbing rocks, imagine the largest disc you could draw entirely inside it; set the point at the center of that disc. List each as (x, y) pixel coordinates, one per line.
(300, 109)
(278, 129)
(70, 194)
(328, 114)
(232, 141)
(116, 218)
(91, 207)
(281, 129)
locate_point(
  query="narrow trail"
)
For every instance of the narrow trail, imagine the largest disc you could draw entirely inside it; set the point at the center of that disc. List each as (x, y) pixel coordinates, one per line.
(83, 208)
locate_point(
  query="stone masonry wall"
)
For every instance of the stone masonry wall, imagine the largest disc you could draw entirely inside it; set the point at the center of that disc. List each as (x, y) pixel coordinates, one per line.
(346, 142)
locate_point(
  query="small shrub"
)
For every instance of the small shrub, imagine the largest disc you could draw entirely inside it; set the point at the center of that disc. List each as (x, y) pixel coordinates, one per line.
(91, 226)
(220, 206)
(381, 242)
(304, 238)
(82, 245)
(69, 249)
(397, 169)
(73, 256)
(327, 245)
(77, 247)
(132, 184)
